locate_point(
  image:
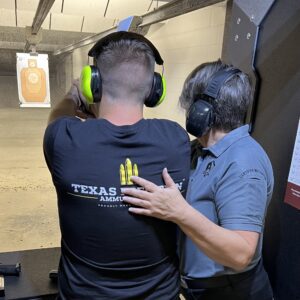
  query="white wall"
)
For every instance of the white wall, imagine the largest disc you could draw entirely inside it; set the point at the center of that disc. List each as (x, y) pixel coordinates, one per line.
(185, 42)
(64, 72)
(8, 92)
(80, 58)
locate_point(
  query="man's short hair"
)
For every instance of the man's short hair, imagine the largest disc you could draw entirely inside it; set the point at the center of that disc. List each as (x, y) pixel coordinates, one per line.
(127, 69)
(231, 105)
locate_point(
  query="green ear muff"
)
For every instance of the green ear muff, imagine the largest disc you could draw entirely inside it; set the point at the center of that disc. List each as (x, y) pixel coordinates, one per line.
(158, 91)
(164, 90)
(90, 84)
(91, 87)
(85, 84)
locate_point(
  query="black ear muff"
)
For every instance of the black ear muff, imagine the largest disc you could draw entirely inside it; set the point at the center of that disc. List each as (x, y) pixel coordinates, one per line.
(90, 84)
(96, 84)
(199, 118)
(158, 91)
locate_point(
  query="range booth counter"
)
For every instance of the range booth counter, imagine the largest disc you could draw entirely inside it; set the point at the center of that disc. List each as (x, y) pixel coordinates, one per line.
(33, 281)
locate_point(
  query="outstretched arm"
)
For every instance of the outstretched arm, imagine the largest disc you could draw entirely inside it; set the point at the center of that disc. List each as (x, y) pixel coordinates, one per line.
(231, 248)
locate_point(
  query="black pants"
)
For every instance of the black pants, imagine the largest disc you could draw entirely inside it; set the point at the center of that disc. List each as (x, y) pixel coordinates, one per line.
(256, 286)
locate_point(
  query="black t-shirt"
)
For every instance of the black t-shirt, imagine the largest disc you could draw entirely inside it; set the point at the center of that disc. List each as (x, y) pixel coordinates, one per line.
(107, 252)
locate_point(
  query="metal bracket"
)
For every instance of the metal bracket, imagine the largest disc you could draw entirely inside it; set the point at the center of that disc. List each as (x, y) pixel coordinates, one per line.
(32, 39)
(242, 43)
(34, 33)
(130, 23)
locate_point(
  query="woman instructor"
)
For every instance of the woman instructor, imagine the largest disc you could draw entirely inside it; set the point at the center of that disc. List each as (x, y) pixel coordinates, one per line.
(230, 187)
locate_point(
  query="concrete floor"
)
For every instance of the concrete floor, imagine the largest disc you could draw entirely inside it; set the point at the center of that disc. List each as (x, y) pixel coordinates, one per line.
(28, 211)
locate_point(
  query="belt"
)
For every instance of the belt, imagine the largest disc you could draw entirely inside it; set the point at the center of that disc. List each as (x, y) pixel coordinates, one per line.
(217, 281)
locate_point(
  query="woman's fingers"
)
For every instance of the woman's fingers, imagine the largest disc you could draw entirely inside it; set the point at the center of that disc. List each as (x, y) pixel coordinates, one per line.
(168, 179)
(137, 202)
(140, 211)
(137, 193)
(147, 185)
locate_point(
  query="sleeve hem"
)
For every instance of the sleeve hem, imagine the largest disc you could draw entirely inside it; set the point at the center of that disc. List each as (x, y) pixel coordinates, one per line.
(246, 227)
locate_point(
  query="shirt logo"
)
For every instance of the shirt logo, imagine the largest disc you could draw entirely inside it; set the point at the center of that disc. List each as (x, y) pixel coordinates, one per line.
(111, 196)
(126, 171)
(209, 167)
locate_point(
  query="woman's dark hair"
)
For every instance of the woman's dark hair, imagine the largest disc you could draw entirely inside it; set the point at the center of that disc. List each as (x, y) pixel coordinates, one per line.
(231, 105)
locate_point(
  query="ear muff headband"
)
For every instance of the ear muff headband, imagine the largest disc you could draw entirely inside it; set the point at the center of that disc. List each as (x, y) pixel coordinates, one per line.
(200, 117)
(91, 85)
(123, 35)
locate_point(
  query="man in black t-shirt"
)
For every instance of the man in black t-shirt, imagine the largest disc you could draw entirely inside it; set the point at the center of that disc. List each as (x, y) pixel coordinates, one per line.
(106, 252)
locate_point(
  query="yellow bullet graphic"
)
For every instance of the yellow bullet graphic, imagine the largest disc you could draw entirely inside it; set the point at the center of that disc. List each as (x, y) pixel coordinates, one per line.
(126, 171)
(122, 175)
(135, 170)
(128, 168)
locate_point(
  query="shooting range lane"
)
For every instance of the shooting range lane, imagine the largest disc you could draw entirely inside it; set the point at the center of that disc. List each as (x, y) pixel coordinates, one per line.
(28, 208)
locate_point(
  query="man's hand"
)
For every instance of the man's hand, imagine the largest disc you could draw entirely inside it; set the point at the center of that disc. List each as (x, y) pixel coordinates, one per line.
(83, 108)
(74, 104)
(163, 203)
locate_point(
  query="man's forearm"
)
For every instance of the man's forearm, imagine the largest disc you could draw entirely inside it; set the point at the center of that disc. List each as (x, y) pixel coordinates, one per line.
(66, 107)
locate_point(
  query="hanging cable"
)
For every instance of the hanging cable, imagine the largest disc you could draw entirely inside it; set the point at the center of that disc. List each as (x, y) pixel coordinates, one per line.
(106, 7)
(16, 13)
(150, 5)
(50, 20)
(62, 6)
(82, 24)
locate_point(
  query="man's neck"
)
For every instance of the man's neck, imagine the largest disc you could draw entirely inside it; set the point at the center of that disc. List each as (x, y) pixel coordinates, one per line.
(120, 113)
(211, 138)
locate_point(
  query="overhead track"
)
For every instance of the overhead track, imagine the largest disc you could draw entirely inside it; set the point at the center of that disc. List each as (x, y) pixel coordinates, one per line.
(41, 14)
(86, 41)
(42, 11)
(164, 12)
(173, 9)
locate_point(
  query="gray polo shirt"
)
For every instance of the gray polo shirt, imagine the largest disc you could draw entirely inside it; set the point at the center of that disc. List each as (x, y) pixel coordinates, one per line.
(232, 186)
